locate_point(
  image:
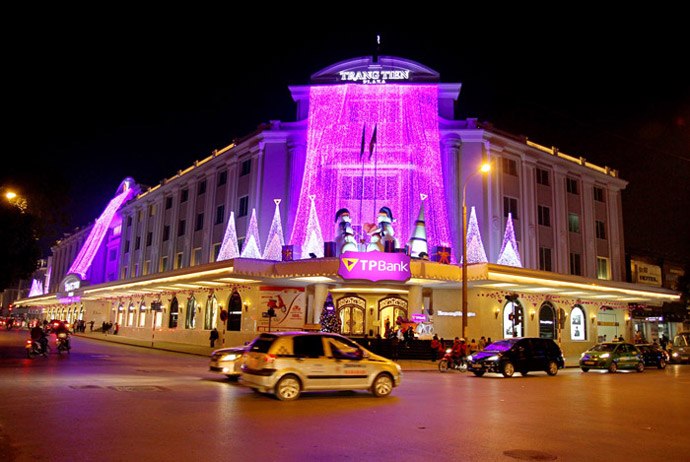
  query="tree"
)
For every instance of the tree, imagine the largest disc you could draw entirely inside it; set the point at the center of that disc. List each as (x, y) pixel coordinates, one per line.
(19, 248)
(330, 322)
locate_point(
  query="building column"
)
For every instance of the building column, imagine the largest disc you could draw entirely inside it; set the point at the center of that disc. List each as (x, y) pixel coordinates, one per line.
(588, 229)
(529, 253)
(561, 250)
(415, 302)
(320, 294)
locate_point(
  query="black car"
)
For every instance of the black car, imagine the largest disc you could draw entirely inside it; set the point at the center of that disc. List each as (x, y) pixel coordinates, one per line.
(653, 355)
(517, 354)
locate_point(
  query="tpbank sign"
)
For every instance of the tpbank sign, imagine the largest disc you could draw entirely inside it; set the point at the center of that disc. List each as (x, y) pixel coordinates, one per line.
(374, 266)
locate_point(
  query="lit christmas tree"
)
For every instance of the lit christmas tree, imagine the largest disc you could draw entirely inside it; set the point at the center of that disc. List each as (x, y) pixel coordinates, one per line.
(229, 248)
(36, 288)
(509, 254)
(475, 246)
(330, 322)
(276, 241)
(251, 242)
(418, 244)
(314, 241)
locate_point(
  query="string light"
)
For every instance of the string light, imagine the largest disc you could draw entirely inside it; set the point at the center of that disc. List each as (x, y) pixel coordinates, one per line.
(252, 243)
(275, 241)
(229, 248)
(509, 254)
(314, 240)
(475, 246)
(405, 158)
(88, 251)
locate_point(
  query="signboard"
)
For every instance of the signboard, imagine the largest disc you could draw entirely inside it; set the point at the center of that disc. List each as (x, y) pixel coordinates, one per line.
(288, 304)
(644, 273)
(374, 266)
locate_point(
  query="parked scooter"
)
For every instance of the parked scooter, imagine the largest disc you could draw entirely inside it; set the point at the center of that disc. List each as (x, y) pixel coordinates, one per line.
(36, 348)
(63, 343)
(450, 363)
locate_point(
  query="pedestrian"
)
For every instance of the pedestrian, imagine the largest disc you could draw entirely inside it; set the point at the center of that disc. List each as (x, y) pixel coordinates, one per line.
(117, 328)
(435, 347)
(474, 347)
(213, 337)
(482, 343)
(488, 341)
(91, 323)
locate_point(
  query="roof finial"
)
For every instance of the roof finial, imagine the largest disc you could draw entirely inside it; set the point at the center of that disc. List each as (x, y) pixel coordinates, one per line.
(378, 48)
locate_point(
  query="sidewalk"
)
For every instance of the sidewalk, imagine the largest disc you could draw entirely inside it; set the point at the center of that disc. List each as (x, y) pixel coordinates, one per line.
(199, 350)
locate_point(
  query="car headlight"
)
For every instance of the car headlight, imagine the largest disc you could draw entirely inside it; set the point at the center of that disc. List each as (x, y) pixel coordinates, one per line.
(397, 366)
(582, 355)
(449, 350)
(493, 358)
(605, 355)
(674, 354)
(469, 358)
(229, 357)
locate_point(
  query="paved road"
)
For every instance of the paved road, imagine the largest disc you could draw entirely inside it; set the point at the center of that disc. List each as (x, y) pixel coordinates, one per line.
(108, 402)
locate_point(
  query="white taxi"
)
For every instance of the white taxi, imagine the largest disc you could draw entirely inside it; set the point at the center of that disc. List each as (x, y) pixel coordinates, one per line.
(288, 363)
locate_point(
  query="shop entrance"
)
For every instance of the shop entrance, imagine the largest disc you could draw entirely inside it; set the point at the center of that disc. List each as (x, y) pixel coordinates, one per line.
(608, 327)
(351, 311)
(391, 311)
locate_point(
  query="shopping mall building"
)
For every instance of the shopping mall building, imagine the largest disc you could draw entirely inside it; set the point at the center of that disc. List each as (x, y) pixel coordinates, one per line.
(261, 224)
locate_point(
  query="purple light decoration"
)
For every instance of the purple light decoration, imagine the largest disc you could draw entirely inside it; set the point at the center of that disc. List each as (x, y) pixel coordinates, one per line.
(314, 238)
(275, 241)
(93, 243)
(509, 254)
(475, 246)
(229, 248)
(418, 244)
(36, 288)
(251, 241)
(46, 286)
(406, 158)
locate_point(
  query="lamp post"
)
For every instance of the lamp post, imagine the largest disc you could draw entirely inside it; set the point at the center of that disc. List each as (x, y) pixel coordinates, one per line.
(485, 168)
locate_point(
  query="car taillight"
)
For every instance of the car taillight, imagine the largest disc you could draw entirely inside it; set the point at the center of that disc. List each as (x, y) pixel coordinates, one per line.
(28, 342)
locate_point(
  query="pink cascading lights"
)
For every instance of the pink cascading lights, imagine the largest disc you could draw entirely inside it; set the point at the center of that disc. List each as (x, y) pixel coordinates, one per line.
(404, 161)
(87, 253)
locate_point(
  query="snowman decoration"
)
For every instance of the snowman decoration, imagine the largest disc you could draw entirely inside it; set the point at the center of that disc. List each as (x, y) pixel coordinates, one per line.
(382, 232)
(345, 237)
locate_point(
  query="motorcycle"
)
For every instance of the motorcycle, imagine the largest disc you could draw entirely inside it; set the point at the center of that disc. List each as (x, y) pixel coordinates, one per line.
(448, 362)
(36, 348)
(63, 342)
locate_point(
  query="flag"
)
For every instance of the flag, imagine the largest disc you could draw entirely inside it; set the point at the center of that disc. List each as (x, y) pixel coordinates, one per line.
(361, 151)
(372, 143)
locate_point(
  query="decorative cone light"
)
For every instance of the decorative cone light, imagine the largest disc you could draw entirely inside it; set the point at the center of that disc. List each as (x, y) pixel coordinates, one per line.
(251, 242)
(229, 249)
(314, 238)
(275, 241)
(418, 244)
(509, 254)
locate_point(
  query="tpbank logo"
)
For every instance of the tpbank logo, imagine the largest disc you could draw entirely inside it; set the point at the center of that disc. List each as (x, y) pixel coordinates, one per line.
(374, 266)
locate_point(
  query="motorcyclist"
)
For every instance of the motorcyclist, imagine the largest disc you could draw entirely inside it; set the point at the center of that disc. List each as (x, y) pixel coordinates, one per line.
(62, 332)
(458, 351)
(38, 335)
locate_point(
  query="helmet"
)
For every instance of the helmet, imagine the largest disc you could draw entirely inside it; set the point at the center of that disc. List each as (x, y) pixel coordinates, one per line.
(462, 339)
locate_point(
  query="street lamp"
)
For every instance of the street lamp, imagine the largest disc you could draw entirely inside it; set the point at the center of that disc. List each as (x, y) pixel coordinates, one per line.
(485, 168)
(16, 200)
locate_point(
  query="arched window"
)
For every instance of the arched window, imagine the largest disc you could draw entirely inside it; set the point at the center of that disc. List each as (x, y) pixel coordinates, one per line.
(174, 313)
(142, 314)
(131, 312)
(578, 326)
(235, 311)
(190, 318)
(120, 314)
(547, 321)
(211, 312)
(513, 319)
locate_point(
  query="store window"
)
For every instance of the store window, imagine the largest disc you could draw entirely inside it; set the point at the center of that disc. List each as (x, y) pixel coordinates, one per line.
(142, 314)
(131, 312)
(235, 311)
(174, 313)
(211, 312)
(547, 321)
(578, 326)
(157, 313)
(513, 319)
(190, 318)
(120, 314)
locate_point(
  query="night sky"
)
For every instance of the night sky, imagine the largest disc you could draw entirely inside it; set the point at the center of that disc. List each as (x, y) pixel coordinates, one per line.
(89, 105)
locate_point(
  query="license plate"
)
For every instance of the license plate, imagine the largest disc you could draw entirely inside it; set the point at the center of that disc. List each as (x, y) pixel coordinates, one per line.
(590, 363)
(477, 366)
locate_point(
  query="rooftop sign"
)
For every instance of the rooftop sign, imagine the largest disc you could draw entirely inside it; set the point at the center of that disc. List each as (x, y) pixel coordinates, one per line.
(374, 266)
(368, 70)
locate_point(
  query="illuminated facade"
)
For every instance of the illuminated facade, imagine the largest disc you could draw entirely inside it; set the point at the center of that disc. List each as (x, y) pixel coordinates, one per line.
(369, 135)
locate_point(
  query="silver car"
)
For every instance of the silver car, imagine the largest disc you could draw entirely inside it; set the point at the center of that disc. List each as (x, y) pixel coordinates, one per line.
(228, 361)
(288, 363)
